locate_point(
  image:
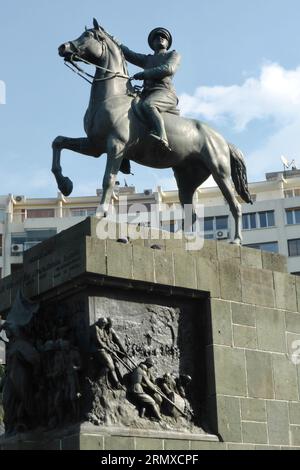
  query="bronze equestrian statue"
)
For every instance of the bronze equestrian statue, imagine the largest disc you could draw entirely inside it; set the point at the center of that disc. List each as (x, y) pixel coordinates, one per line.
(115, 125)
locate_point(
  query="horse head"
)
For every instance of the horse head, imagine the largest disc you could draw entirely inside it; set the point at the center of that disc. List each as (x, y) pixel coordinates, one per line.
(96, 46)
(88, 46)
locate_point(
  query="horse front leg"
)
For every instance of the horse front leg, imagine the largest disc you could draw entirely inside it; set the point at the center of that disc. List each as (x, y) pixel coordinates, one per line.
(115, 152)
(80, 145)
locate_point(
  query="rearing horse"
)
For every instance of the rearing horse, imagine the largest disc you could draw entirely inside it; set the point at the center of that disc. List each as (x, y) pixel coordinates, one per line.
(113, 127)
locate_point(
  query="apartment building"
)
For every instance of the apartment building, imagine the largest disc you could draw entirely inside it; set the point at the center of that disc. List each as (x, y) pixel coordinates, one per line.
(272, 223)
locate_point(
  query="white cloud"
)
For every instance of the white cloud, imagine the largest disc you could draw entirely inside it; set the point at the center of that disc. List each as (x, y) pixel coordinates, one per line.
(275, 94)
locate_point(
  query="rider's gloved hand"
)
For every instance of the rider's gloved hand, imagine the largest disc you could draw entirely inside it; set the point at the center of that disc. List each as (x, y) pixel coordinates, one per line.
(139, 76)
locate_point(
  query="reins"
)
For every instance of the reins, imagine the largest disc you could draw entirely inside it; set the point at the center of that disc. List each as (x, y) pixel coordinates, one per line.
(83, 74)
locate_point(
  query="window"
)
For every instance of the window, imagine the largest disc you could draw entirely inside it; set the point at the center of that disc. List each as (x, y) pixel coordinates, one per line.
(40, 213)
(292, 193)
(216, 223)
(249, 221)
(28, 239)
(222, 223)
(258, 220)
(294, 247)
(39, 235)
(269, 246)
(208, 224)
(83, 211)
(266, 219)
(293, 216)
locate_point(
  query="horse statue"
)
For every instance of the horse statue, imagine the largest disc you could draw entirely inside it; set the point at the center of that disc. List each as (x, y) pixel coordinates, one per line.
(113, 126)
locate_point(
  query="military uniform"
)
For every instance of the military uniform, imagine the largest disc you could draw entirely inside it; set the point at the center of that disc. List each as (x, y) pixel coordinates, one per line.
(158, 93)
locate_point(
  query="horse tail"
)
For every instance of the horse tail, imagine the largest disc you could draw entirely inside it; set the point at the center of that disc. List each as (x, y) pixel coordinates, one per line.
(239, 173)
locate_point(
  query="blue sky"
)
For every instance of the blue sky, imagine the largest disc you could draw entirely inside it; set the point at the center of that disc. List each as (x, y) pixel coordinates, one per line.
(240, 72)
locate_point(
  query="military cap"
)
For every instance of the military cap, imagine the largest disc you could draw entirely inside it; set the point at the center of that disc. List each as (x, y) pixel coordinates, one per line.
(163, 32)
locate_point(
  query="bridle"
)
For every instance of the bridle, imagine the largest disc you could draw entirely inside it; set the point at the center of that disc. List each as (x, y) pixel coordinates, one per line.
(83, 74)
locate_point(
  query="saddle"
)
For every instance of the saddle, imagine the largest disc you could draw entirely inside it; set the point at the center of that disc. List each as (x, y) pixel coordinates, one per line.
(125, 165)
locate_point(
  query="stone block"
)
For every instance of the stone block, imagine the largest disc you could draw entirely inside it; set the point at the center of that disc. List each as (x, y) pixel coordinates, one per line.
(175, 245)
(262, 447)
(119, 259)
(230, 280)
(228, 251)
(221, 331)
(143, 443)
(208, 277)
(259, 375)
(270, 326)
(257, 287)
(295, 435)
(31, 280)
(294, 409)
(66, 263)
(255, 433)
(230, 371)
(95, 256)
(205, 445)
(298, 292)
(251, 258)
(119, 443)
(285, 291)
(209, 250)
(240, 447)
(253, 410)
(229, 419)
(278, 423)
(292, 321)
(244, 337)
(91, 442)
(71, 442)
(274, 262)
(185, 270)
(176, 444)
(143, 264)
(164, 268)
(285, 378)
(243, 314)
(293, 346)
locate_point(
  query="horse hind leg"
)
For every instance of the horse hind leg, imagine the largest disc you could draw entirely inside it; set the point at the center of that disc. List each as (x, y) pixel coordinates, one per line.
(225, 186)
(188, 180)
(80, 145)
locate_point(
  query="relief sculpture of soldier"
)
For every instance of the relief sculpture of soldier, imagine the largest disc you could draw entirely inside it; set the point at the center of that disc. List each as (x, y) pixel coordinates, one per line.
(103, 354)
(158, 93)
(143, 391)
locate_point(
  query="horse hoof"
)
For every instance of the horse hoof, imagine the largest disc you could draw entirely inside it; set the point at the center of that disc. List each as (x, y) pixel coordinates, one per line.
(65, 186)
(236, 241)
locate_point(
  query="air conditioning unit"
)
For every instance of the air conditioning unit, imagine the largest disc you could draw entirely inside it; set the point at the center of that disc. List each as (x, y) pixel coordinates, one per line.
(17, 248)
(222, 234)
(19, 198)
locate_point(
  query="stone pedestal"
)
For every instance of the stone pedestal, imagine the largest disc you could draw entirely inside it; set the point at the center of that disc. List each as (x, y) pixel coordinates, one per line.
(227, 316)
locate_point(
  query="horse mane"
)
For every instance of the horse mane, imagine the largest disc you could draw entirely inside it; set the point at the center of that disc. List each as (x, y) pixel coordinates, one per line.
(116, 43)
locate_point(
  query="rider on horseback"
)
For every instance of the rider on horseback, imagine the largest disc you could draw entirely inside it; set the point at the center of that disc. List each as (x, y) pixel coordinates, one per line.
(158, 93)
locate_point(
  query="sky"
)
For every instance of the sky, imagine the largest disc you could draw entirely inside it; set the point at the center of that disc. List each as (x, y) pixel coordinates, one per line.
(240, 73)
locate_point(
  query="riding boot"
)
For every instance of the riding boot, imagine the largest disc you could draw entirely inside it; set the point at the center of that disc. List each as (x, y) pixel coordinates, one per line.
(157, 125)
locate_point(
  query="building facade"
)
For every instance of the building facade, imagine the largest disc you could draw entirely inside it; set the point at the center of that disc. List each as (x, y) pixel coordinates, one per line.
(272, 223)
